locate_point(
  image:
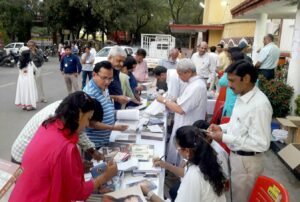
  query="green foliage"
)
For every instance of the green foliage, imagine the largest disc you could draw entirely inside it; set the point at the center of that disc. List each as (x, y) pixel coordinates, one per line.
(279, 94)
(297, 101)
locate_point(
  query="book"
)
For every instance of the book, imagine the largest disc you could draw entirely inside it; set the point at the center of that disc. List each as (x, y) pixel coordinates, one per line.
(125, 137)
(129, 165)
(9, 172)
(152, 136)
(150, 184)
(155, 129)
(128, 114)
(142, 152)
(129, 194)
(146, 167)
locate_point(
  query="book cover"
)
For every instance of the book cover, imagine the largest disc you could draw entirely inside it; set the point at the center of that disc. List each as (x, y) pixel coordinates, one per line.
(129, 194)
(9, 172)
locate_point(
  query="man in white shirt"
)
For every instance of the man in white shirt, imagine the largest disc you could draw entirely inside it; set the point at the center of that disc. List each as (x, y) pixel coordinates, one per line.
(215, 63)
(268, 58)
(249, 131)
(204, 63)
(189, 107)
(87, 60)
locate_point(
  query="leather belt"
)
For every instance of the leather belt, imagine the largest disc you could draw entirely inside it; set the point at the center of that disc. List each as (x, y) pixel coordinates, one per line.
(245, 153)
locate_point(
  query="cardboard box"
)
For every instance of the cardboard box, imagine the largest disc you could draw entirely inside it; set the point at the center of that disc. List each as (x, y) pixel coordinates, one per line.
(290, 127)
(290, 156)
(295, 120)
(9, 172)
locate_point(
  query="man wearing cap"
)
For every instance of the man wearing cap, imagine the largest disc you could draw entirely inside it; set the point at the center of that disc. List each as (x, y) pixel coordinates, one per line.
(268, 58)
(244, 49)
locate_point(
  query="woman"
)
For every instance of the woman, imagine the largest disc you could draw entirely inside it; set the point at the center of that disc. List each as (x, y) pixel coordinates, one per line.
(203, 178)
(52, 166)
(26, 95)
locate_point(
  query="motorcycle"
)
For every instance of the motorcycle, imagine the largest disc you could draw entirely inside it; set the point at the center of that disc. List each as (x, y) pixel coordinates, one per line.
(6, 60)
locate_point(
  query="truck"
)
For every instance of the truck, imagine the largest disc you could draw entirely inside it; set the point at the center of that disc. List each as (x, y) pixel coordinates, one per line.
(157, 47)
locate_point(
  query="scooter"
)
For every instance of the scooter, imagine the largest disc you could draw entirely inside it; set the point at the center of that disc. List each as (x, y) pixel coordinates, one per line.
(6, 60)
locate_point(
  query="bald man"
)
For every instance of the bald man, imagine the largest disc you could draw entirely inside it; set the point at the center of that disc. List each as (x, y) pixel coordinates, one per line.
(205, 65)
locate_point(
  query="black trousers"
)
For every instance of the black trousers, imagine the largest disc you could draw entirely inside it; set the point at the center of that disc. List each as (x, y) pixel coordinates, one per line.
(267, 73)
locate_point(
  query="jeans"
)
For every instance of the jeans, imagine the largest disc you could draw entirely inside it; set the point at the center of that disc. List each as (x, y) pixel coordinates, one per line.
(267, 73)
(84, 75)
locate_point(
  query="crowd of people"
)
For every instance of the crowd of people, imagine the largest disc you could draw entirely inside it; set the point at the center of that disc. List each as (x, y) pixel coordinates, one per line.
(196, 149)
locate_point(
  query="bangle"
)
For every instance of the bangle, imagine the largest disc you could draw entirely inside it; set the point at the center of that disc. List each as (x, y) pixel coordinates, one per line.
(150, 194)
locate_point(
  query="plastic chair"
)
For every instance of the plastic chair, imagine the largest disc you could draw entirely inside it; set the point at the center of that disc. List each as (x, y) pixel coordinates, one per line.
(268, 190)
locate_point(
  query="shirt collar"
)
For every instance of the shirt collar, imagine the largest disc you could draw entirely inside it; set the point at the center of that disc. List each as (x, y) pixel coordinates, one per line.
(247, 97)
(194, 78)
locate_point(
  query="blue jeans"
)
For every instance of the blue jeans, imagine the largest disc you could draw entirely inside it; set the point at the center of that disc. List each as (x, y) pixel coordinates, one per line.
(84, 75)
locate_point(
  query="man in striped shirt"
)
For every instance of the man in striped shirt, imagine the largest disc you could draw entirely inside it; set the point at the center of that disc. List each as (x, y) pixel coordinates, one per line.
(98, 88)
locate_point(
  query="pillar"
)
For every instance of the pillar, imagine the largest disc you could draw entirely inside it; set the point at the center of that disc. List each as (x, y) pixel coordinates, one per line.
(260, 32)
(294, 66)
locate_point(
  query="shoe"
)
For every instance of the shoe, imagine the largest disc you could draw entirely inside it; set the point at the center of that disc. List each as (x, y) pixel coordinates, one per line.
(44, 100)
(30, 108)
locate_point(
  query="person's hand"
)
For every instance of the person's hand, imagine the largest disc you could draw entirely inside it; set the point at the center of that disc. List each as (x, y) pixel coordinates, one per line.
(120, 127)
(214, 128)
(75, 74)
(97, 155)
(160, 98)
(139, 88)
(87, 165)
(111, 170)
(122, 99)
(144, 188)
(215, 132)
(157, 162)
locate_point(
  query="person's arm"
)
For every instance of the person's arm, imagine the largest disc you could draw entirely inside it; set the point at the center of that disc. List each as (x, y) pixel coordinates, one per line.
(108, 174)
(79, 66)
(179, 171)
(120, 99)
(101, 126)
(83, 58)
(262, 56)
(150, 195)
(62, 65)
(223, 81)
(257, 65)
(170, 105)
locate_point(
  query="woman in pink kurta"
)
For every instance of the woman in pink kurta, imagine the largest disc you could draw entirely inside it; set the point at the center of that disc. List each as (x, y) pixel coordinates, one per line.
(52, 166)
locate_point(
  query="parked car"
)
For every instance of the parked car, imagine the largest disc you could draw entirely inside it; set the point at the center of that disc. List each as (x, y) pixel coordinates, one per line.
(14, 47)
(103, 53)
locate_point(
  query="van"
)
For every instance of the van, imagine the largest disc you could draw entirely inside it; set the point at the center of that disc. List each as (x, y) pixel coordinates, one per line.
(14, 47)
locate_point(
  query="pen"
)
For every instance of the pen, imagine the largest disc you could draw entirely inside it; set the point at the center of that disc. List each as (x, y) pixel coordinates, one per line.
(162, 157)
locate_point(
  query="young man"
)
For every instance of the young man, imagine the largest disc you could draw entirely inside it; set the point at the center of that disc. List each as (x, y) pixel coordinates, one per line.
(70, 67)
(160, 73)
(249, 131)
(87, 60)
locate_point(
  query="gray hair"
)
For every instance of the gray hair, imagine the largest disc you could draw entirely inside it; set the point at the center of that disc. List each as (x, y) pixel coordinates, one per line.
(115, 51)
(186, 64)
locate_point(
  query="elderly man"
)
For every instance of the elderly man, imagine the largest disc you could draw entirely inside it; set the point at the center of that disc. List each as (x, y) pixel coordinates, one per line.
(117, 57)
(36, 55)
(97, 88)
(248, 133)
(204, 63)
(171, 61)
(189, 107)
(268, 58)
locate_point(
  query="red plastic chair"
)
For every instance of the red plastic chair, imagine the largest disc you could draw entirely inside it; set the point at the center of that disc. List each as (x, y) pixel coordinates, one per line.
(268, 190)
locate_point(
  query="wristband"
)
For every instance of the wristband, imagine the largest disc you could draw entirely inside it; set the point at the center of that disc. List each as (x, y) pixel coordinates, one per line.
(150, 194)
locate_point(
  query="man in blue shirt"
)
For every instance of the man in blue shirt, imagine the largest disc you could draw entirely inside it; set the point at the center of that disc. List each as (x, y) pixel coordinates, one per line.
(70, 67)
(117, 57)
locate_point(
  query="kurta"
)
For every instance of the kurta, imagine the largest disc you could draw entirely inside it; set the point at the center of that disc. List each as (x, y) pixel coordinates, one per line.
(193, 102)
(52, 168)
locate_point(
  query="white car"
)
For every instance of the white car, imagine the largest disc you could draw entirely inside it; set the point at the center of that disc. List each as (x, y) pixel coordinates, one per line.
(103, 53)
(14, 47)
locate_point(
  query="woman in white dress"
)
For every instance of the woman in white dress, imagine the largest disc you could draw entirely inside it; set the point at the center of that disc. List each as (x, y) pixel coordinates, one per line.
(203, 179)
(26, 95)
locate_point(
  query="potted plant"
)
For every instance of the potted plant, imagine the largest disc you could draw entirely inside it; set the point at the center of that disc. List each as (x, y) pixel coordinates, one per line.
(279, 94)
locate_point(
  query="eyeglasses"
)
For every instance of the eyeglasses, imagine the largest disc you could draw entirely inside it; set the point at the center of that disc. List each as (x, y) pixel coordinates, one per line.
(105, 78)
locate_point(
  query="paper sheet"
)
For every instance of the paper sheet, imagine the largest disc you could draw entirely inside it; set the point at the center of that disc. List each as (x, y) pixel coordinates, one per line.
(128, 114)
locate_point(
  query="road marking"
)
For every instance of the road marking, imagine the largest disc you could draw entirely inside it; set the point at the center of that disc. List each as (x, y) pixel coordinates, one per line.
(7, 84)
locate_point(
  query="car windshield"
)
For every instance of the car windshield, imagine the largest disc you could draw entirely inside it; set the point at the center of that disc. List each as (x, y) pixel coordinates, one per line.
(103, 52)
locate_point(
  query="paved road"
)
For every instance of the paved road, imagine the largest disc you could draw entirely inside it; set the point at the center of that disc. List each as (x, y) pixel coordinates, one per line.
(13, 118)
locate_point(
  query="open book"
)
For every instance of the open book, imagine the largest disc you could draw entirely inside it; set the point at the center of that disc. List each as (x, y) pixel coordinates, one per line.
(128, 117)
(9, 172)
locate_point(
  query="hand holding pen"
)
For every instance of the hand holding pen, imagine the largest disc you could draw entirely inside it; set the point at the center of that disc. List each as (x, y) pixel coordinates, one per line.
(158, 162)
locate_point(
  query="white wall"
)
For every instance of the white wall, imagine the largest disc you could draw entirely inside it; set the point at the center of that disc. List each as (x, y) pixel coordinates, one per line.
(287, 35)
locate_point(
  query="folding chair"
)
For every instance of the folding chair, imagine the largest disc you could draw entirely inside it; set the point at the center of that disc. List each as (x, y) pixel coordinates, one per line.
(268, 190)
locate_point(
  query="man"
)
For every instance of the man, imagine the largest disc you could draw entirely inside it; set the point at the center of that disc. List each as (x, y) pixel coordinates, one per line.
(70, 67)
(27, 133)
(204, 63)
(141, 70)
(36, 56)
(189, 107)
(171, 61)
(98, 88)
(117, 57)
(243, 46)
(160, 74)
(215, 62)
(223, 59)
(87, 59)
(268, 58)
(249, 130)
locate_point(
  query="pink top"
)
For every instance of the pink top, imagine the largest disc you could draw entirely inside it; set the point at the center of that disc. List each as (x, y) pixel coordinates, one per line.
(52, 168)
(141, 72)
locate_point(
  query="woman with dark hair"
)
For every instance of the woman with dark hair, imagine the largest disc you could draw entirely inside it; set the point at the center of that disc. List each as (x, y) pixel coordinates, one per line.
(203, 177)
(52, 165)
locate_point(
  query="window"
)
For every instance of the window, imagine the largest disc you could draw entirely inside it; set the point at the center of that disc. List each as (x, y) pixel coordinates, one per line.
(103, 53)
(9, 46)
(162, 46)
(129, 51)
(19, 45)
